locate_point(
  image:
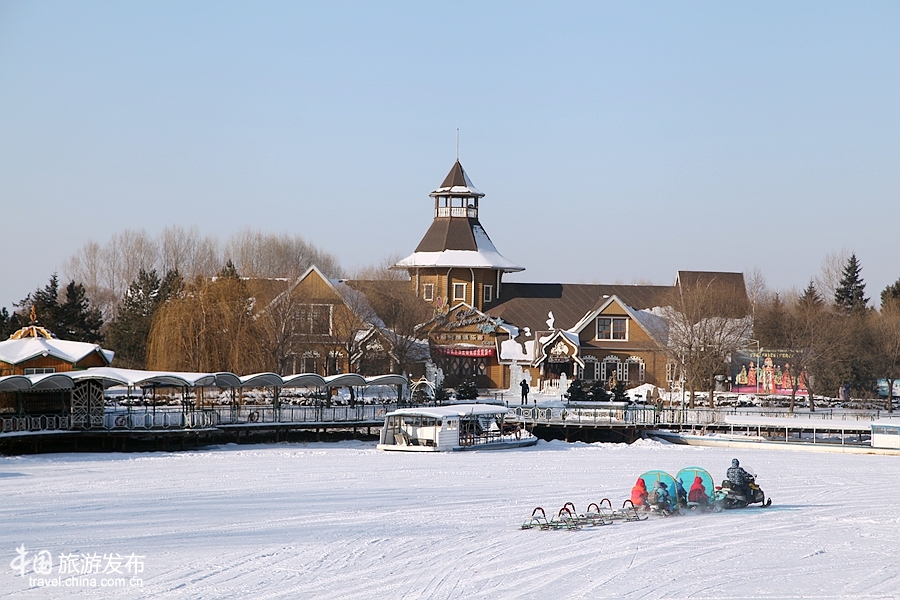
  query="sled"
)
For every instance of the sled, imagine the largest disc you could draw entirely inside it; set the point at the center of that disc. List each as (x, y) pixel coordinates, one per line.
(686, 478)
(628, 512)
(537, 520)
(593, 516)
(652, 479)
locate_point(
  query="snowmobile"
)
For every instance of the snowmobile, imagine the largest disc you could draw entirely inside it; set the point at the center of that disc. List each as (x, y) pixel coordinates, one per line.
(734, 497)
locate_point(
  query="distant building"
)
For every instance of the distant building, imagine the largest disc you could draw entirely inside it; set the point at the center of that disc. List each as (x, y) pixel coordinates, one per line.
(482, 325)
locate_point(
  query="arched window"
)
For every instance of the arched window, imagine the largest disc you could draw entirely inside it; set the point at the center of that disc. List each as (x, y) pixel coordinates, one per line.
(612, 366)
(591, 369)
(637, 374)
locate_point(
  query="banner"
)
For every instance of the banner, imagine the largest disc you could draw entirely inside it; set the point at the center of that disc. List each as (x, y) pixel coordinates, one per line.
(473, 352)
(767, 373)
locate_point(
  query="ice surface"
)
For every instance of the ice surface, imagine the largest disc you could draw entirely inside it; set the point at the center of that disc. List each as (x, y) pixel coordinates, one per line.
(348, 521)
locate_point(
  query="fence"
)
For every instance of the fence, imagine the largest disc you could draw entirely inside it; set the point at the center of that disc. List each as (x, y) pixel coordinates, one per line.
(35, 423)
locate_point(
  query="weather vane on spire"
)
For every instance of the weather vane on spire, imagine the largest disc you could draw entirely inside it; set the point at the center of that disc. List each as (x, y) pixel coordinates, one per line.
(457, 144)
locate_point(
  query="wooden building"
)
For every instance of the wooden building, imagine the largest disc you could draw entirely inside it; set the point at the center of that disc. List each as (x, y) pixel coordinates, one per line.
(482, 325)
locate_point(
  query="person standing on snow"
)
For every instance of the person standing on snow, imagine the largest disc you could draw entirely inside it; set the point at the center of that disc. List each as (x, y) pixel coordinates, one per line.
(740, 479)
(525, 389)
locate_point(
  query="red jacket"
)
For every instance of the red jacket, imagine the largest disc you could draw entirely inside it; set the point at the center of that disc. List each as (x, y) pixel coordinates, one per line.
(639, 493)
(698, 492)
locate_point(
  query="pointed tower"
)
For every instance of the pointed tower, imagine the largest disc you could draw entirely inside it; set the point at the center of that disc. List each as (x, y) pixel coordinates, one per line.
(456, 262)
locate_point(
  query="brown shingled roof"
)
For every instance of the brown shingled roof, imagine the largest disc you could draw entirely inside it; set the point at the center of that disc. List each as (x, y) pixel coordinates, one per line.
(449, 233)
(456, 177)
(528, 303)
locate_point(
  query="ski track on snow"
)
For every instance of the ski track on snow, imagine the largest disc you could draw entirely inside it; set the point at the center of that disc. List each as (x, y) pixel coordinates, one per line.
(345, 521)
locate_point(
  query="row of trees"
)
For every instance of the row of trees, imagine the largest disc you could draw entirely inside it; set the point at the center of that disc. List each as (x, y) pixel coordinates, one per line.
(107, 271)
(829, 343)
(841, 343)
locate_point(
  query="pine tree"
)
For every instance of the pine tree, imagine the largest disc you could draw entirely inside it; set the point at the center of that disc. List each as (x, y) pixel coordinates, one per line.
(890, 294)
(467, 390)
(850, 293)
(598, 393)
(46, 305)
(128, 333)
(810, 297)
(78, 320)
(576, 392)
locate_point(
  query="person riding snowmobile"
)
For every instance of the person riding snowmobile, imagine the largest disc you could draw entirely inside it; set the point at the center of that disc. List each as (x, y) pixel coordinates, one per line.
(740, 479)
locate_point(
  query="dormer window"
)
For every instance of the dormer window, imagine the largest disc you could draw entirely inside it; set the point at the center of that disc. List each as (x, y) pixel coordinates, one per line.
(612, 328)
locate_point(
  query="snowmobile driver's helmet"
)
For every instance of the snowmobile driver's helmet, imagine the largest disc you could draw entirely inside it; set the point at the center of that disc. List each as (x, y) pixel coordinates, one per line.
(735, 463)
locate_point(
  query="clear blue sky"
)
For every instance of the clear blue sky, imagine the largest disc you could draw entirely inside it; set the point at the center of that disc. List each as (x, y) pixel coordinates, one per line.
(616, 142)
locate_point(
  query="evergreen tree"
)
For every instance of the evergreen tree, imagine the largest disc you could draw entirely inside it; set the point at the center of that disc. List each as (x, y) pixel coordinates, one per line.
(129, 332)
(467, 390)
(810, 297)
(45, 302)
(9, 323)
(78, 320)
(73, 319)
(890, 294)
(441, 394)
(850, 293)
(229, 271)
(576, 392)
(598, 393)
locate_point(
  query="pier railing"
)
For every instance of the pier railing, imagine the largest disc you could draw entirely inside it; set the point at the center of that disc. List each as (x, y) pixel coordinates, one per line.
(148, 418)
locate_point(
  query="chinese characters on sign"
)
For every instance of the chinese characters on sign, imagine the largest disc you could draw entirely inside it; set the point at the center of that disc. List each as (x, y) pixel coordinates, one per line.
(89, 569)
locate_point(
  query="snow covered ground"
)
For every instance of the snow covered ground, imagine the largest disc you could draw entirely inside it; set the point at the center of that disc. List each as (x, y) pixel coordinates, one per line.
(347, 521)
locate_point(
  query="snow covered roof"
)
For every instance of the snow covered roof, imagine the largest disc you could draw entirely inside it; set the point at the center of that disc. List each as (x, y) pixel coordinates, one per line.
(457, 183)
(453, 410)
(480, 254)
(134, 378)
(17, 351)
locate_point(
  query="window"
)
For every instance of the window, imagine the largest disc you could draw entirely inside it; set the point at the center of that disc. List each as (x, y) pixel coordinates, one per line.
(428, 292)
(40, 370)
(315, 319)
(459, 291)
(612, 328)
(488, 293)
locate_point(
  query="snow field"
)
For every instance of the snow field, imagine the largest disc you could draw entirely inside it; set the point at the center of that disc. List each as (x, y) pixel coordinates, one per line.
(347, 521)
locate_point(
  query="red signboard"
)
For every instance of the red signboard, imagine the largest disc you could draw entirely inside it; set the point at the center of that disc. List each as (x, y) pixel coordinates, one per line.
(476, 352)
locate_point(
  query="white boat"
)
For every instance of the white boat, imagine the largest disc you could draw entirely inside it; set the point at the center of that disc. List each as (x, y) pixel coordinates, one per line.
(453, 427)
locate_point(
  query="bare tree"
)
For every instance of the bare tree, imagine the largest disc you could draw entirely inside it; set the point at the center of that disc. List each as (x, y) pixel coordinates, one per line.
(886, 329)
(830, 275)
(708, 322)
(209, 328)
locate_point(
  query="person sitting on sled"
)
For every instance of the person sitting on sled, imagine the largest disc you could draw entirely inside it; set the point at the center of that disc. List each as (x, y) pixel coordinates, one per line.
(740, 479)
(659, 497)
(698, 493)
(639, 493)
(680, 493)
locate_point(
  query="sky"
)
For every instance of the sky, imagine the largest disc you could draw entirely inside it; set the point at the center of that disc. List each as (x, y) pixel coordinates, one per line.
(616, 142)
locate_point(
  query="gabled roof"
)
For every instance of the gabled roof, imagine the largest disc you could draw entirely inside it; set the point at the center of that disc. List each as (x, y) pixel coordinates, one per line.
(528, 304)
(457, 183)
(653, 325)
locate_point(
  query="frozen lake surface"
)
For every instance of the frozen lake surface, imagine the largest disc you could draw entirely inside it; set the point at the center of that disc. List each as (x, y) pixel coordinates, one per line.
(348, 521)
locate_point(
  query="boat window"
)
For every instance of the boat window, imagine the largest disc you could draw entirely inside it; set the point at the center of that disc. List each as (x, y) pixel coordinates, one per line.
(451, 424)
